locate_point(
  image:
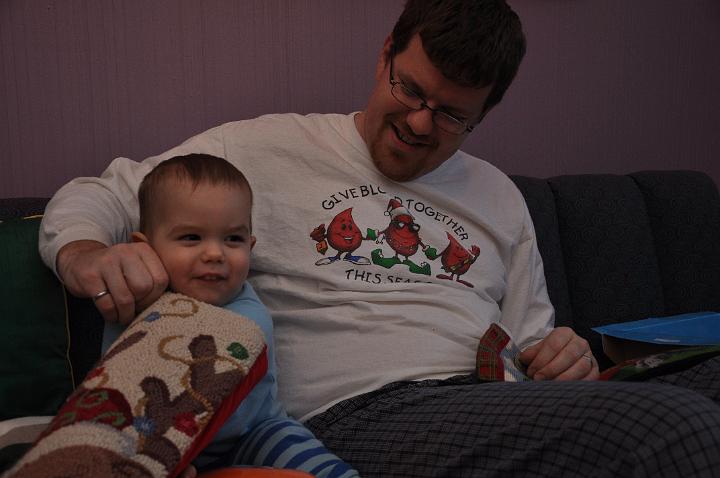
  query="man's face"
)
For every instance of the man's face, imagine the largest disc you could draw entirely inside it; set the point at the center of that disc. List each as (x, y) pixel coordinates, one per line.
(406, 144)
(203, 239)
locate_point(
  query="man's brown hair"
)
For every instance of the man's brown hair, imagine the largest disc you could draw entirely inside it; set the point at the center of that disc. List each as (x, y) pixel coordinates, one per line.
(474, 43)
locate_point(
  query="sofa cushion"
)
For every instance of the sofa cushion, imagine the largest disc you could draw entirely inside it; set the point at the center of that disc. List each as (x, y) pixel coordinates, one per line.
(609, 253)
(35, 373)
(86, 331)
(86, 324)
(684, 212)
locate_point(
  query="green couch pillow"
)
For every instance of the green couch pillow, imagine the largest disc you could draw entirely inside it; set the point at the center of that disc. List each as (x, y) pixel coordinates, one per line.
(35, 370)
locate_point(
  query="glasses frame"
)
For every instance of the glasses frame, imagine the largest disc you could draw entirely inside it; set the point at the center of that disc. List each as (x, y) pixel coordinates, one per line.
(423, 105)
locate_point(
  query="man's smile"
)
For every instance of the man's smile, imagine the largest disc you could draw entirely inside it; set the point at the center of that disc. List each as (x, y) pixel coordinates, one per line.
(406, 138)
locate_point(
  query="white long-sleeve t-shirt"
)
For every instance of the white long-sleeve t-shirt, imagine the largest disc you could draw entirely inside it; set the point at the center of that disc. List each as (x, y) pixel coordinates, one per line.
(368, 280)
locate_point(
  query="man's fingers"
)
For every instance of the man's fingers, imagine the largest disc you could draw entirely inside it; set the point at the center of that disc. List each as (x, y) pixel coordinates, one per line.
(529, 354)
(141, 281)
(145, 275)
(137, 276)
(78, 279)
(83, 266)
(132, 274)
(594, 372)
(548, 350)
(123, 301)
(105, 305)
(119, 304)
(584, 368)
(158, 277)
(558, 356)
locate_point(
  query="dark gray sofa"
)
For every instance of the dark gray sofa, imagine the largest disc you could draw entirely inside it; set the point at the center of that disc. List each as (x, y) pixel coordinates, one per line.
(621, 248)
(615, 248)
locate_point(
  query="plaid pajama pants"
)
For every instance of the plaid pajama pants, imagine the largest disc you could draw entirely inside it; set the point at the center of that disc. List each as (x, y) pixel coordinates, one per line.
(461, 428)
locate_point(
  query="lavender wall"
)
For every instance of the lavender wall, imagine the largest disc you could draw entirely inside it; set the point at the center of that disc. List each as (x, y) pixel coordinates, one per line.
(607, 86)
(611, 86)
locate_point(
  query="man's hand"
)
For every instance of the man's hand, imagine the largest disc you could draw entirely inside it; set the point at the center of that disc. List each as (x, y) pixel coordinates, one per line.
(562, 355)
(132, 274)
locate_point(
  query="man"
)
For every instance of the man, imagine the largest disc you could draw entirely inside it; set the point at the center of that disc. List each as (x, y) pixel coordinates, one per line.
(375, 345)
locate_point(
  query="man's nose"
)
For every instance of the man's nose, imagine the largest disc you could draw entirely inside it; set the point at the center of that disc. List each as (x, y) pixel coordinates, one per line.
(420, 121)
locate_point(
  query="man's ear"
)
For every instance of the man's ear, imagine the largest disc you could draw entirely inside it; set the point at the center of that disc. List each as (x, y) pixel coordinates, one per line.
(252, 242)
(384, 58)
(139, 237)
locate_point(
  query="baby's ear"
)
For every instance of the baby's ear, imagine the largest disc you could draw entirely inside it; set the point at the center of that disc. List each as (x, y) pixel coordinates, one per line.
(252, 242)
(139, 237)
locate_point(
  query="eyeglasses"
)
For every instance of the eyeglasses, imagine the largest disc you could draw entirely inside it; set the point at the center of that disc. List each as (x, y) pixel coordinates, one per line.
(410, 99)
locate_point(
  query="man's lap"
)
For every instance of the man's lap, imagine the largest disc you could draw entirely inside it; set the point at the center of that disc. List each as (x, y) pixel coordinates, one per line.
(703, 378)
(458, 427)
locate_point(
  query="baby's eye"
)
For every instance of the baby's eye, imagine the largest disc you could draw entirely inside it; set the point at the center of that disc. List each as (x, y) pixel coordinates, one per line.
(190, 237)
(235, 238)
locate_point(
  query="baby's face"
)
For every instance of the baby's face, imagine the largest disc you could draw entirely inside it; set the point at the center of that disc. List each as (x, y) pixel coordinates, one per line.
(203, 238)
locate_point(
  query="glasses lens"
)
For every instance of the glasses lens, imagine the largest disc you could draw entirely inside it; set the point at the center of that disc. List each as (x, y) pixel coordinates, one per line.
(410, 99)
(448, 123)
(406, 96)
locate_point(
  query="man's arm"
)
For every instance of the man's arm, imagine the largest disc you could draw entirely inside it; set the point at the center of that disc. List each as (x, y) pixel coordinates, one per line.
(88, 222)
(83, 235)
(549, 353)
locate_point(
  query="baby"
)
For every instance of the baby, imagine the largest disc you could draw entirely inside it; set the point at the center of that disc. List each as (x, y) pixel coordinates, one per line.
(195, 212)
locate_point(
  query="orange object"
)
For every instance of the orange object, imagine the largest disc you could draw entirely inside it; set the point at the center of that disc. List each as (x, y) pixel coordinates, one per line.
(243, 472)
(322, 247)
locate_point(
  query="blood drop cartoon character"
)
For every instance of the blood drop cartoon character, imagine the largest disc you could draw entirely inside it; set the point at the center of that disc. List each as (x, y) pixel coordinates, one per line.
(343, 235)
(456, 260)
(402, 235)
